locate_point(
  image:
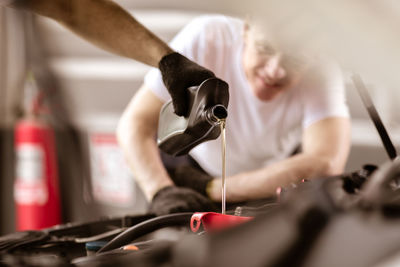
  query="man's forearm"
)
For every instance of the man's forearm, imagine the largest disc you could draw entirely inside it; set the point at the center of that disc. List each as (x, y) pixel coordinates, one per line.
(105, 24)
(325, 147)
(144, 160)
(135, 132)
(262, 183)
(147, 167)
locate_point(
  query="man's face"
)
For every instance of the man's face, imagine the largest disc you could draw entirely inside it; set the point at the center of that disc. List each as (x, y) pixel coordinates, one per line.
(268, 70)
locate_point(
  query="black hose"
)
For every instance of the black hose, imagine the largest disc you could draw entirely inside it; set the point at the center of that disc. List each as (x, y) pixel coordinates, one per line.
(376, 190)
(138, 230)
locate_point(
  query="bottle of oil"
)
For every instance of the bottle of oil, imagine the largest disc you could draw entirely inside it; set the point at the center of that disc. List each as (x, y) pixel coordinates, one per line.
(208, 105)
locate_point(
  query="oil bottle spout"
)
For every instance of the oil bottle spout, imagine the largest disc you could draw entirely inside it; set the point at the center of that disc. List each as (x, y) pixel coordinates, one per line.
(216, 113)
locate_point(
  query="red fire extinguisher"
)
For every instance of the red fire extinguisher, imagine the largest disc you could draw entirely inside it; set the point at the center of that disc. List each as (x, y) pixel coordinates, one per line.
(36, 190)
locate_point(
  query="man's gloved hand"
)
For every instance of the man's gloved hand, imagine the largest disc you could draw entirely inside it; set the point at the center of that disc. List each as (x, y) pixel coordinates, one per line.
(180, 73)
(172, 199)
(191, 177)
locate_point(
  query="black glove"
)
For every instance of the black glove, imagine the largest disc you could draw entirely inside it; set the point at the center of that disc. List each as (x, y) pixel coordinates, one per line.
(180, 73)
(172, 199)
(191, 177)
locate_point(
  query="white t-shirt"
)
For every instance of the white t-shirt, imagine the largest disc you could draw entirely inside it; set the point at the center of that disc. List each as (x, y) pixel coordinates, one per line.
(257, 133)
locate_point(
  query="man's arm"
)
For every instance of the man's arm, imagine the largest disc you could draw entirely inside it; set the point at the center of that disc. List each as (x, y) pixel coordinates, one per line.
(325, 150)
(136, 134)
(105, 24)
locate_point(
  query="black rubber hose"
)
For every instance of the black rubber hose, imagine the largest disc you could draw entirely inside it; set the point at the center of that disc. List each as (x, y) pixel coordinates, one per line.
(376, 190)
(143, 228)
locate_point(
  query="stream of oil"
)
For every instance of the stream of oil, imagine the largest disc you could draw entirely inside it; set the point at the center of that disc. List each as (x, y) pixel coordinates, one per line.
(222, 123)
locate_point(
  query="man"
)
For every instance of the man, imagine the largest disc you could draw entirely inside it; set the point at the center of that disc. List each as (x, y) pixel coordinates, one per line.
(277, 100)
(107, 25)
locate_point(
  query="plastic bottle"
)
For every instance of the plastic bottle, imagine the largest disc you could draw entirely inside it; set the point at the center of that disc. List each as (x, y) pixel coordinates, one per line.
(208, 104)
